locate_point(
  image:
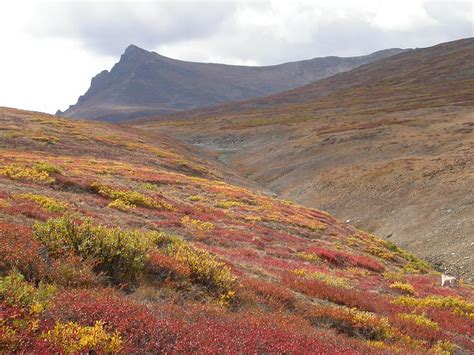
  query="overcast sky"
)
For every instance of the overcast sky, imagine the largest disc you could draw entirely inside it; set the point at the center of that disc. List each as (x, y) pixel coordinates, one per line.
(51, 49)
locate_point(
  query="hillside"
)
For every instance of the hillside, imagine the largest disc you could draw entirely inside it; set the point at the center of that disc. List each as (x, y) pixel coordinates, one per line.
(387, 146)
(120, 240)
(145, 83)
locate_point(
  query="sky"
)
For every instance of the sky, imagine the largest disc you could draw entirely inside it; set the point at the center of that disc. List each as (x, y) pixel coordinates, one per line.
(50, 50)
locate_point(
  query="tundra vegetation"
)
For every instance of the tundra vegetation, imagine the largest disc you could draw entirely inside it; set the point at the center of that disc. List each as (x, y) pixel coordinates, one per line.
(110, 249)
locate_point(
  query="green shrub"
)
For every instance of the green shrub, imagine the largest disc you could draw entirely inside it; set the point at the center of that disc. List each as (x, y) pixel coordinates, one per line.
(120, 254)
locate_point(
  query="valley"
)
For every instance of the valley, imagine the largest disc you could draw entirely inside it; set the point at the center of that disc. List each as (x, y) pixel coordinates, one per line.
(386, 147)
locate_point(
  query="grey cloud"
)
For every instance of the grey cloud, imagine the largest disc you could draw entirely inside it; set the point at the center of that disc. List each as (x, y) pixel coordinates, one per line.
(107, 28)
(213, 30)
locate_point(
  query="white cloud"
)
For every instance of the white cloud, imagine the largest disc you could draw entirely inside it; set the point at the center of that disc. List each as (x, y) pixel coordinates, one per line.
(51, 49)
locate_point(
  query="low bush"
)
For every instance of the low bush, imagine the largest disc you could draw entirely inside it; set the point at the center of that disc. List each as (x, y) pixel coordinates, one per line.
(404, 287)
(16, 172)
(370, 302)
(45, 202)
(196, 224)
(345, 259)
(204, 267)
(16, 291)
(73, 271)
(350, 321)
(129, 197)
(19, 251)
(326, 278)
(419, 319)
(74, 338)
(121, 205)
(47, 167)
(255, 290)
(140, 330)
(120, 254)
(456, 304)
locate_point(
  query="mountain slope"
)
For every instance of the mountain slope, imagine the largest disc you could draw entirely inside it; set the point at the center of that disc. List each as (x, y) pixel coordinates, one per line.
(118, 240)
(145, 83)
(388, 145)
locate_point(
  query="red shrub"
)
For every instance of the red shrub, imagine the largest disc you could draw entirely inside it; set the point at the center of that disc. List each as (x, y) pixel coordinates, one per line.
(367, 301)
(141, 330)
(416, 331)
(250, 334)
(453, 322)
(29, 209)
(342, 321)
(206, 331)
(269, 293)
(17, 334)
(18, 250)
(345, 259)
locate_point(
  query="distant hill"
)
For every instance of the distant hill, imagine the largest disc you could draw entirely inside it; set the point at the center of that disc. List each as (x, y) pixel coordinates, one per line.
(388, 146)
(145, 83)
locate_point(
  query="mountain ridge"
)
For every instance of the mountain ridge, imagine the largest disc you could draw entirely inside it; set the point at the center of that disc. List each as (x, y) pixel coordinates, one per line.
(145, 83)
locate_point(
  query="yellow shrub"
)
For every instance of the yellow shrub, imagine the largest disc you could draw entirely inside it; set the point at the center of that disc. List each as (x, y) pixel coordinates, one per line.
(414, 265)
(393, 276)
(444, 347)
(314, 226)
(15, 172)
(381, 253)
(46, 139)
(47, 203)
(205, 268)
(196, 224)
(229, 203)
(308, 256)
(149, 186)
(74, 338)
(458, 305)
(382, 325)
(16, 291)
(131, 197)
(419, 319)
(326, 278)
(196, 198)
(405, 287)
(251, 219)
(47, 167)
(121, 205)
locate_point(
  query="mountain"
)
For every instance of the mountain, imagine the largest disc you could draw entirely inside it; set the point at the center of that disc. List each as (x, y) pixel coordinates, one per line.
(388, 146)
(120, 239)
(146, 83)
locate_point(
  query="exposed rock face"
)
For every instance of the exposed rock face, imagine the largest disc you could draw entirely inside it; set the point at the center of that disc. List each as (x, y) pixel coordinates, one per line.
(145, 83)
